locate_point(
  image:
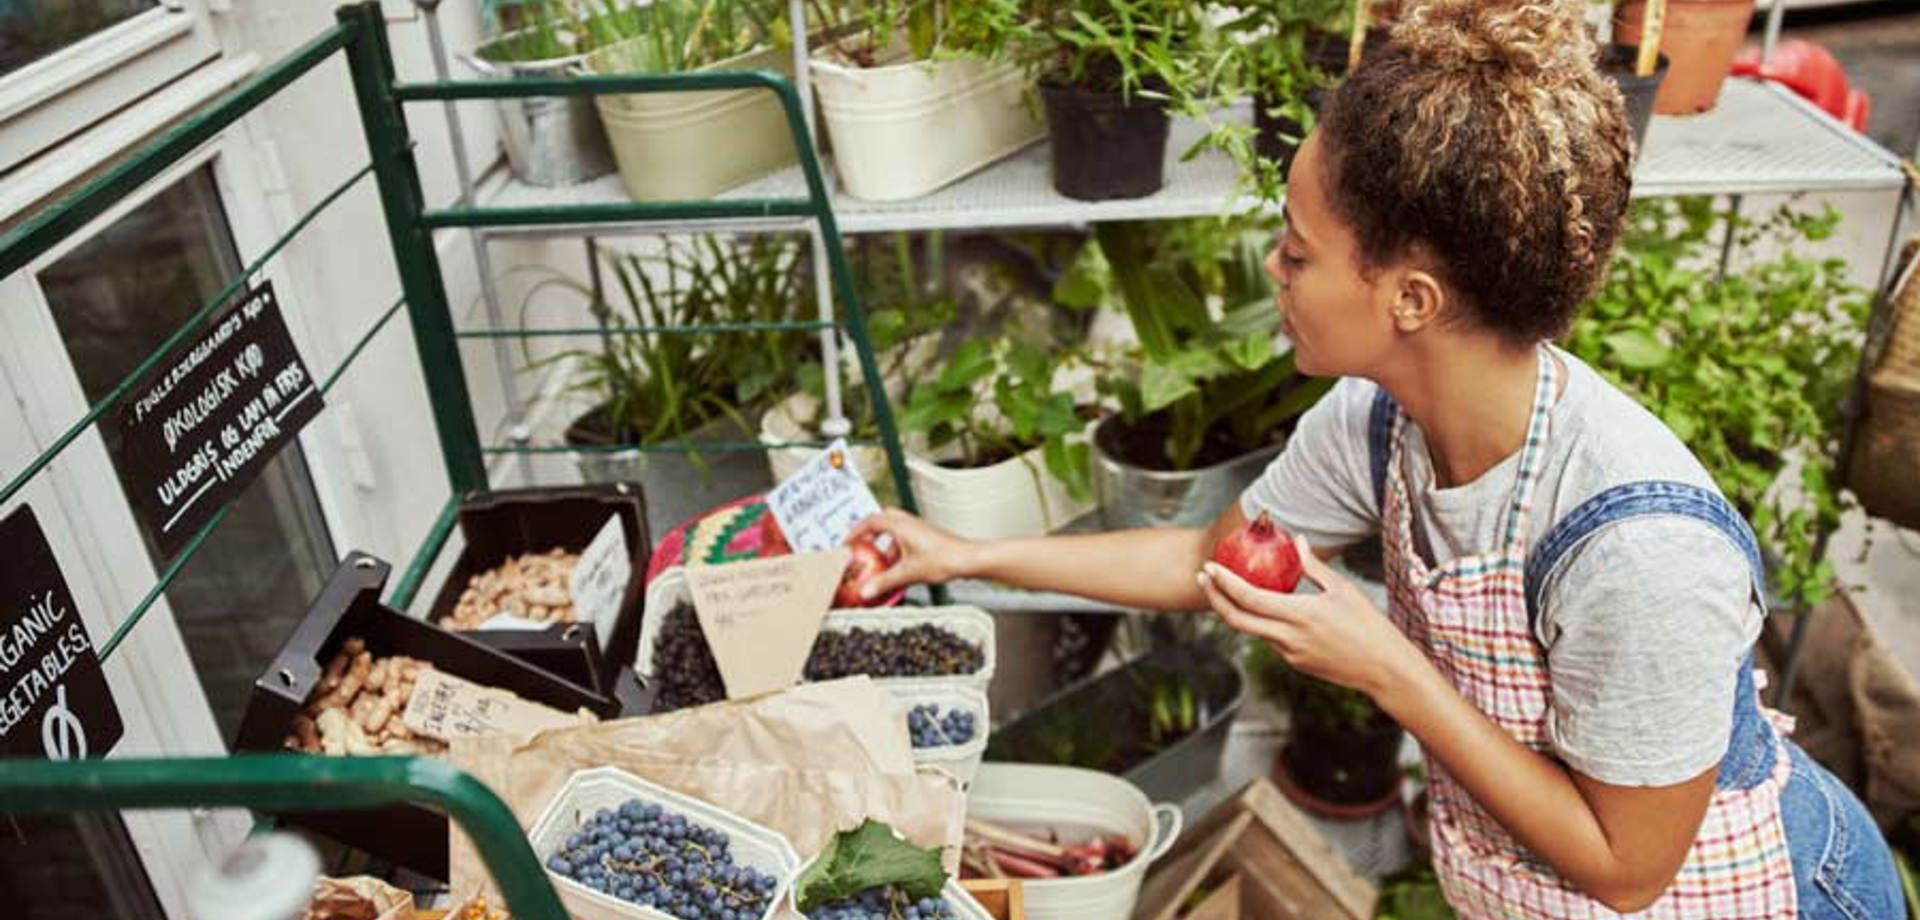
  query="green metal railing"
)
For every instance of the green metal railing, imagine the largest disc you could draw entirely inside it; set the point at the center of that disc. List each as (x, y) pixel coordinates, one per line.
(291, 782)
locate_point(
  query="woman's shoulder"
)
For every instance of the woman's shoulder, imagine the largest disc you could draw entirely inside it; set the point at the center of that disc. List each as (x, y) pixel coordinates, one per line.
(1605, 438)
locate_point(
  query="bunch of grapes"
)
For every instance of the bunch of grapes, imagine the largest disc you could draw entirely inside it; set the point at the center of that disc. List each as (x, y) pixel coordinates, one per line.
(917, 651)
(930, 729)
(685, 673)
(884, 903)
(644, 854)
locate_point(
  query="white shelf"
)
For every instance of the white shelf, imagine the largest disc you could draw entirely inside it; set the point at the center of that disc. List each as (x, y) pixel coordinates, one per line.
(1759, 139)
(1015, 192)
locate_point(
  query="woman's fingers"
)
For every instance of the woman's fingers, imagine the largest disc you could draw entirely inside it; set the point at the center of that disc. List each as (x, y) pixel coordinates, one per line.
(1253, 624)
(876, 524)
(1316, 569)
(1271, 604)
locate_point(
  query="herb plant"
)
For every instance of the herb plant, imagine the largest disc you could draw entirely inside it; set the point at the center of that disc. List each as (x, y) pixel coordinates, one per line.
(1750, 370)
(1326, 705)
(862, 32)
(1211, 379)
(1132, 47)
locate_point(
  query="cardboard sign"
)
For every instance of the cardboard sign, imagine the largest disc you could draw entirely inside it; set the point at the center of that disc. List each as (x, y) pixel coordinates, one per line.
(54, 701)
(599, 580)
(446, 707)
(818, 505)
(761, 616)
(198, 428)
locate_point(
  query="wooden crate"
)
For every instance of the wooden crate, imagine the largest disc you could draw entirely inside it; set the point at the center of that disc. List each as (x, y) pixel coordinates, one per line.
(1285, 869)
(1001, 897)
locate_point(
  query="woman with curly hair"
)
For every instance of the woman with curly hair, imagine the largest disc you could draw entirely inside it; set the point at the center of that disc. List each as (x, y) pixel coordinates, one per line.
(1572, 604)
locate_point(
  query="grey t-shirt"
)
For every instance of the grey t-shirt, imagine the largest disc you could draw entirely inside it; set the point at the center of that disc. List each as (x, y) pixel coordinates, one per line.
(1645, 623)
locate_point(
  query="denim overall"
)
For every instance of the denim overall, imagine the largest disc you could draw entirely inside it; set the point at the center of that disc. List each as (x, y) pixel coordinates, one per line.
(1782, 837)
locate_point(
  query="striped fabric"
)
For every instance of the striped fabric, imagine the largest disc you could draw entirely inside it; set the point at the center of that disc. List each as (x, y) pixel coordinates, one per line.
(1470, 616)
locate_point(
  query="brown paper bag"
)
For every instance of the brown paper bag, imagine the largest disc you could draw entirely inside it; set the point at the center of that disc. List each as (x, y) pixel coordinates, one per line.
(807, 762)
(358, 898)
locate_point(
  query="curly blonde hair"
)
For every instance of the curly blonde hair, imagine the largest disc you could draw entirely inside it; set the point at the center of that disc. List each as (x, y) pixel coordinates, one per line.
(1483, 133)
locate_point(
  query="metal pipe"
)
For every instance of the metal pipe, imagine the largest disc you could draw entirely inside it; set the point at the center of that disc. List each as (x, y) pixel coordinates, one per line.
(482, 258)
(835, 425)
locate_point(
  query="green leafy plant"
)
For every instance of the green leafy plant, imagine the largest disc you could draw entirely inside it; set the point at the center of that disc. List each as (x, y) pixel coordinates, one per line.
(1132, 47)
(1326, 705)
(995, 400)
(649, 385)
(861, 32)
(1210, 378)
(1266, 46)
(901, 305)
(682, 35)
(869, 856)
(1413, 893)
(1750, 369)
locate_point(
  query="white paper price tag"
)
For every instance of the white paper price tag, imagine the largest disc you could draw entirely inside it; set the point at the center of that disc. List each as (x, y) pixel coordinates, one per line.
(819, 504)
(599, 579)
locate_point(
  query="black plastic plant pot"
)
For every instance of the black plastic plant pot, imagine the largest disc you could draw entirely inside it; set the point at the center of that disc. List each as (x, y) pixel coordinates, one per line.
(499, 525)
(349, 606)
(1617, 63)
(1105, 146)
(1341, 773)
(1275, 137)
(1105, 723)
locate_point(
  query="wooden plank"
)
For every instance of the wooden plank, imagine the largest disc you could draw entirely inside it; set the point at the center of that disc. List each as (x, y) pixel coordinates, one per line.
(1175, 879)
(1318, 856)
(1002, 897)
(1222, 904)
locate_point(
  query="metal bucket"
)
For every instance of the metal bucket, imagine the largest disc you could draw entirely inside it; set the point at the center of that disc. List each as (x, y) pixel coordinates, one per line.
(550, 140)
(1132, 496)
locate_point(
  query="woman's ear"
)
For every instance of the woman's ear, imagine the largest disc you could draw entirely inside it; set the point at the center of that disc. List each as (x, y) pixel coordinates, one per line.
(1420, 300)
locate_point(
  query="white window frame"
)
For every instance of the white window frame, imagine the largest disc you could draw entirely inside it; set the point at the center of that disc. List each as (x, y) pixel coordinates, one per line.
(63, 93)
(97, 538)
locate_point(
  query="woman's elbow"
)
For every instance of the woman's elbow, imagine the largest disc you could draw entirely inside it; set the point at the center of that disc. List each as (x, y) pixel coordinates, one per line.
(1631, 896)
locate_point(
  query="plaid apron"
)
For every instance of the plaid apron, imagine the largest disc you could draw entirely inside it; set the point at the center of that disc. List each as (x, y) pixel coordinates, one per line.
(1471, 617)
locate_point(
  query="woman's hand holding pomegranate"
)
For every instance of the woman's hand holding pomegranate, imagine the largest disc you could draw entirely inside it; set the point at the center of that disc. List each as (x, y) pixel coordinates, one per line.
(1337, 634)
(925, 553)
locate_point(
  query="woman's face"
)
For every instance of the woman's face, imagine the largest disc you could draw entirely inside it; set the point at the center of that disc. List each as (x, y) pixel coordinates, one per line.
(1340, 321)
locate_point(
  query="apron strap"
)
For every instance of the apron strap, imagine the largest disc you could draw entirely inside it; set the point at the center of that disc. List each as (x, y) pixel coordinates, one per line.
(1545, 389)
(1382, 427)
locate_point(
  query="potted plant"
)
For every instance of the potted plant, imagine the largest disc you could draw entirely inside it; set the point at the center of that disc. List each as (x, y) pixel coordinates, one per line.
(1750, 369)
(904, 314)
(1005, 440)
(1109, 71)
(551, 140)
(679, 146)
(918, 93)
(1213, 396)
(644, 386)
(1267, 43)
(1699, 37)
(1342, 756)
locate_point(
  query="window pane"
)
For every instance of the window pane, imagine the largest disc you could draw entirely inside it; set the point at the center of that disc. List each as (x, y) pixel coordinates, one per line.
(33, 29)
(115, 299)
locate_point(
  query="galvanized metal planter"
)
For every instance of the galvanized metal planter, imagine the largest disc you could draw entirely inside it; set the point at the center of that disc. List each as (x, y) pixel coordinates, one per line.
(550, 140)
(1132, 496)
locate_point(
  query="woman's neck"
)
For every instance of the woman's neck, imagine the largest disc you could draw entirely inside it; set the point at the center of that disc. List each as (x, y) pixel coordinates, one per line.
(1472, 398)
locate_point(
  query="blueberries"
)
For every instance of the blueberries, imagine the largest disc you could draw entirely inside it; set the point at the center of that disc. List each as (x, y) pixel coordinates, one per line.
(643, 854)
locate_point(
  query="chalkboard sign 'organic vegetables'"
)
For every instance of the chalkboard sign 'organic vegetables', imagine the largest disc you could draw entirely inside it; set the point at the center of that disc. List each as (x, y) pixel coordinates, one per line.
(868, 561)
(1261, 553)
(647, 855)
(870, 872)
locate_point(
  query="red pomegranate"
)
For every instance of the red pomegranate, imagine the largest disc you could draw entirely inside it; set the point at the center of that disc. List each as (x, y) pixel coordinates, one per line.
(868, 560)
(1261, 553)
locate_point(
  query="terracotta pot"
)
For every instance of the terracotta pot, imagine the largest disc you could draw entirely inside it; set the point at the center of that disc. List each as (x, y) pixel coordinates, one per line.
(1700, 39)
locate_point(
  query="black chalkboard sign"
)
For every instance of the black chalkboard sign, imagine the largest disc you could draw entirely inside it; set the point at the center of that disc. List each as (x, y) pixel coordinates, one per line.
(203, 423)
(53, 698)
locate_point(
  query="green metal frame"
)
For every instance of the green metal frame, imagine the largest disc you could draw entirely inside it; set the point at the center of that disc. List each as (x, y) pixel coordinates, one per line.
(286, 782)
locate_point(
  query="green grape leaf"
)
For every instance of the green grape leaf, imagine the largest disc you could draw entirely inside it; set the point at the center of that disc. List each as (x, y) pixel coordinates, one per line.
(867, 857)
